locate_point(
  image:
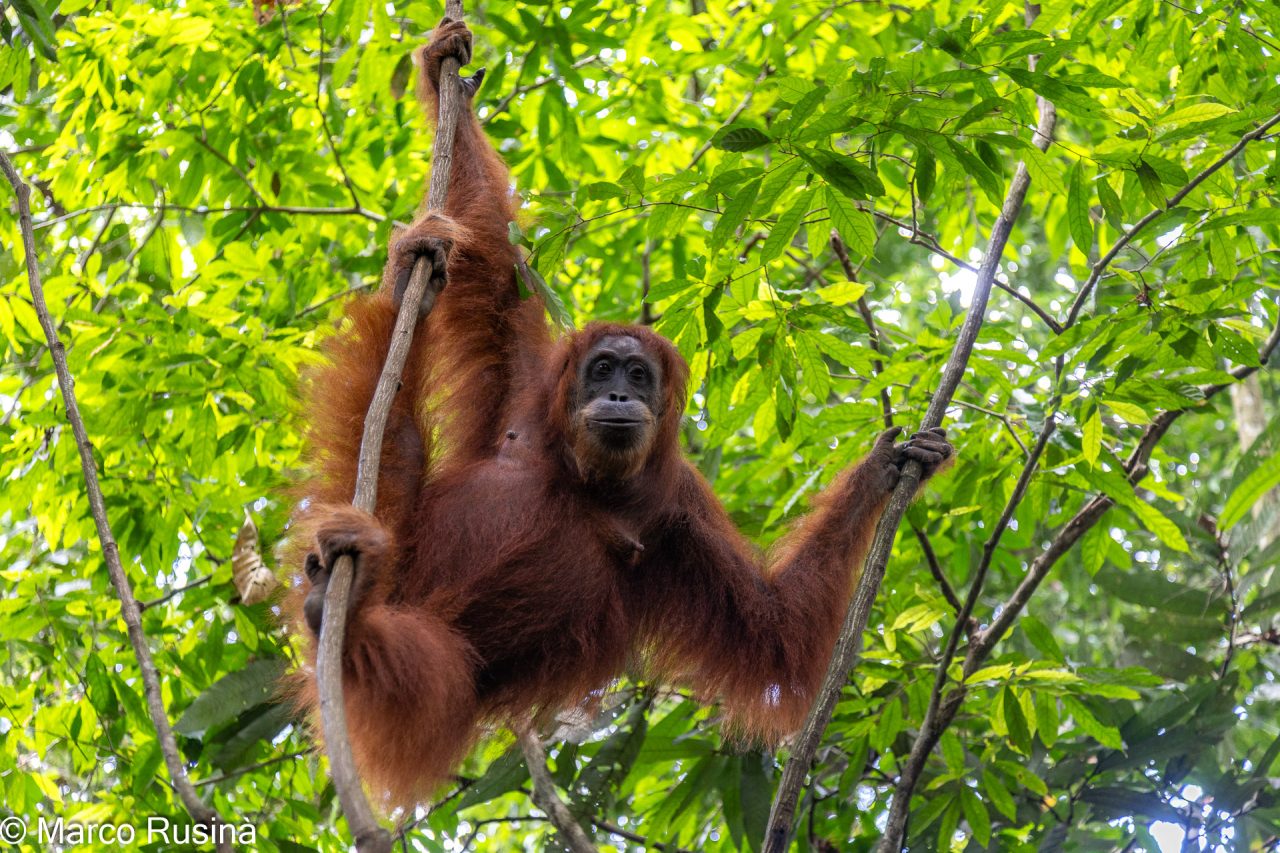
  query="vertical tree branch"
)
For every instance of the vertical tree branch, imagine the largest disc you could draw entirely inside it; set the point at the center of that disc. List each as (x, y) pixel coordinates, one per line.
(546, 798)
(129, 610)
(369, 836)
(849, 644)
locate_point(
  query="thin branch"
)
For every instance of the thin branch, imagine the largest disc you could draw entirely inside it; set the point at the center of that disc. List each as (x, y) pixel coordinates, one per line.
(1004, 419)
(934, 724)
(864, 310)
(97, 238)
(765, 71)
(646, 278)
(546, 798)
(418, 300)
(613, 829)
(935, 568)
(174, 593)
(928, 241)
(537, 83)
(1173, 201)
(849, 644)
(196, 808)
(252, 768)
(215, 211)
(343, 294)
(328, 134)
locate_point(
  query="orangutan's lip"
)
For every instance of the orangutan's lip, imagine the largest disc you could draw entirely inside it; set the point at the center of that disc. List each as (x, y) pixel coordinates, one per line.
(616, 422)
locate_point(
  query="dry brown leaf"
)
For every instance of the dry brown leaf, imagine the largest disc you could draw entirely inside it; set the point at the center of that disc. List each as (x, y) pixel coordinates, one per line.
(253, 580)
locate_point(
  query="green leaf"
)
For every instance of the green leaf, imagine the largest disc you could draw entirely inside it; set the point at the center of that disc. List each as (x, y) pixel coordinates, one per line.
(845, 173)
(1230, 345)
(1042, 638)
(784, 230)
(859, 358)
(925, 175)
(1091, 436)
(817, 377)
(1047, 718)
(1150, 183)
(551, 299)
(230, 696)
(1160, 524)
(841, 293)
(1263, 479)
(757, 795)
(1078, 221)
(740, 137)
(888, 726)
(1084, 720)
(856, 227)
(975, 812)
(981, 174)
(1195, 113)
(736, 211)
(1016, 723)
(506, 773)
(261, 729)
(998, 795)
(1044, 173)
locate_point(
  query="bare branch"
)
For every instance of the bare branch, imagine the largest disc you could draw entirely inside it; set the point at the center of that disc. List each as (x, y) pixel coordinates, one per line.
(546, 798)
(129, 611)
(936, 719)
(174, 593)
(935, 568)
(614, 829)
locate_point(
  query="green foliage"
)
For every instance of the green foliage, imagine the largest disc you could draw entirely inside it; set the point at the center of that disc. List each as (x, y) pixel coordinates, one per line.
(210, 188)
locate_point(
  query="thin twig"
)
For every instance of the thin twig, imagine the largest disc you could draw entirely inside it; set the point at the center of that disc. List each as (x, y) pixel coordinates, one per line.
(1004, 419)
(328, 133)
(537, 83)
(546, 798)
(196, 808)
(928, 241)
(935, 568)
(931, 727)
(252, 768)
(873, 331)
(174, 593)
(849, 644)
(613, 829)
(418, 300)
(293, 210)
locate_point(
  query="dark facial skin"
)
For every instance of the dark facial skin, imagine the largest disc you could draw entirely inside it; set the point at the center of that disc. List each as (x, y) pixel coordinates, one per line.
(619, 392)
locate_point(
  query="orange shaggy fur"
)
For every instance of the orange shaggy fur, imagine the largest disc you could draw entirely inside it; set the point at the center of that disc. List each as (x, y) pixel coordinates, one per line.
(498, 576)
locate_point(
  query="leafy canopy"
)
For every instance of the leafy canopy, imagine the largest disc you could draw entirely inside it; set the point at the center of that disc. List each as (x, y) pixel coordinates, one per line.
(210, 188)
